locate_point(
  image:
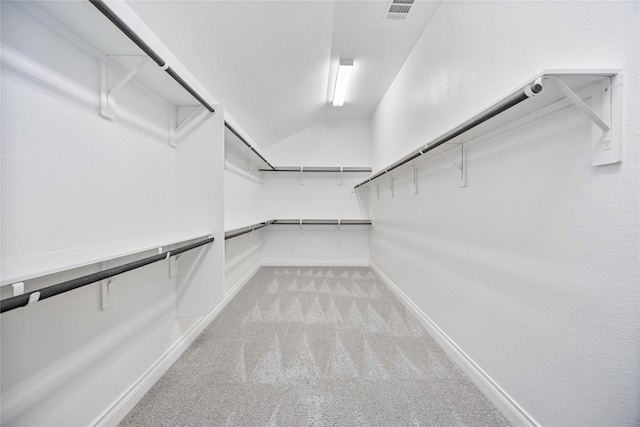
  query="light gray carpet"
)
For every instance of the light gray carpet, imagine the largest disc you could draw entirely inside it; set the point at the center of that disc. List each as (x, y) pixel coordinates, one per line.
(322, 346)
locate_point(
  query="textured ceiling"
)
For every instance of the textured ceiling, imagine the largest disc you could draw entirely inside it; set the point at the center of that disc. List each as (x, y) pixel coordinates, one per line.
(272, 64)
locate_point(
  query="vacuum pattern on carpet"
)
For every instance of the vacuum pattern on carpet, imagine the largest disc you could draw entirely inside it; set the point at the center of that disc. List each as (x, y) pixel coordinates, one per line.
(314, 346)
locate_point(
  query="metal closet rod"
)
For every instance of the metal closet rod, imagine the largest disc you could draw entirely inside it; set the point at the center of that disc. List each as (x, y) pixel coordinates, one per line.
(53, 290)
(515, 99)
(245, 142)
(108, 13)
(322, 222)
(244, 230)
(249, 228)
(318, 169)
(294, 168)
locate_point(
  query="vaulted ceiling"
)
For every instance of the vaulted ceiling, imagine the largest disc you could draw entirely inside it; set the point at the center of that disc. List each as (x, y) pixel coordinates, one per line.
(272, 64)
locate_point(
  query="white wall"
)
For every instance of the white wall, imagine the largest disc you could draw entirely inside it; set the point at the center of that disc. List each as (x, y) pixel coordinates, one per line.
(58, 174)
(317, 195)
(71, 179)
(284, 195)
(317, 245)
(243, 255)
(532, 270)
(241, 205)
(241, 200)
(199, 196)
(327, 143)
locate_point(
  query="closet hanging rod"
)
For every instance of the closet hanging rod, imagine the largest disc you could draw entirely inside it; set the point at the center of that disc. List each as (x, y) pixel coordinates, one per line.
(249, 228)
(108, 13)
(53, 290)
(244, 230)
(245, 142)
(522, 95)
(322, 222)
(317, 169)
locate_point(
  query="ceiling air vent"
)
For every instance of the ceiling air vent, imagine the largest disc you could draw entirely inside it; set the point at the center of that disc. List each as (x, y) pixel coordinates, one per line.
(398, 9)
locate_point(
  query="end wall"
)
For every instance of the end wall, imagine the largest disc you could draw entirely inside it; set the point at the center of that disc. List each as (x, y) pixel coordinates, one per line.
(242, 208)
(199, 194)
(318, 195)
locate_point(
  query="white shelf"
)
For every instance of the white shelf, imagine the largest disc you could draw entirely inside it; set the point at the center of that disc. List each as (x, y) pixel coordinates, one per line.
(602, 85)
(93, 31)
(321, 169)
(239, 153)
(322, 222)
(229, 234)
(30, 267)
(236, 147)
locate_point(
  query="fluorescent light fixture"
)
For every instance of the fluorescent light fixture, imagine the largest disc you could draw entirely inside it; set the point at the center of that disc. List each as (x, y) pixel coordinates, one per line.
(342, 81)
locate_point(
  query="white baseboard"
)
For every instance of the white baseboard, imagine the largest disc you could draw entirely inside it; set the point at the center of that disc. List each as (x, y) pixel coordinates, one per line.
(315, 262)
(129, 399)
(509, 408)
(243, 281)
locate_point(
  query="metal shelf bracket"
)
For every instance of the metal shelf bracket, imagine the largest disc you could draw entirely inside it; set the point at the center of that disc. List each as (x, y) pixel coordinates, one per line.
(173, 260)
(414, 179)
(105, 289)
(106, 301)
(566, 90)
(173, 267)
(605, 116)
(251, 167)
(107, 93)
(462, 167)
(389, 186)
(175, 129)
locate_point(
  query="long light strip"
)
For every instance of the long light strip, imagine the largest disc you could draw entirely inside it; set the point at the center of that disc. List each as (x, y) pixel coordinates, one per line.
(342, 81)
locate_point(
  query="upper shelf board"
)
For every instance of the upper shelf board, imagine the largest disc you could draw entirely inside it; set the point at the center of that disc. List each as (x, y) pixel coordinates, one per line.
(522, 105)
(230, 234)
(20, 269)
(333, 169)
(92, 29)
(234, 143)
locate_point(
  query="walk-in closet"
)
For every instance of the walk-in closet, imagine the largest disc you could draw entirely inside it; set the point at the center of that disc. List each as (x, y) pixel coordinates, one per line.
(319, 213)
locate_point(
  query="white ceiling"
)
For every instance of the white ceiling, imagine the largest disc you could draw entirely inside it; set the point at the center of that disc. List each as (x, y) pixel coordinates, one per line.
(272, 64)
